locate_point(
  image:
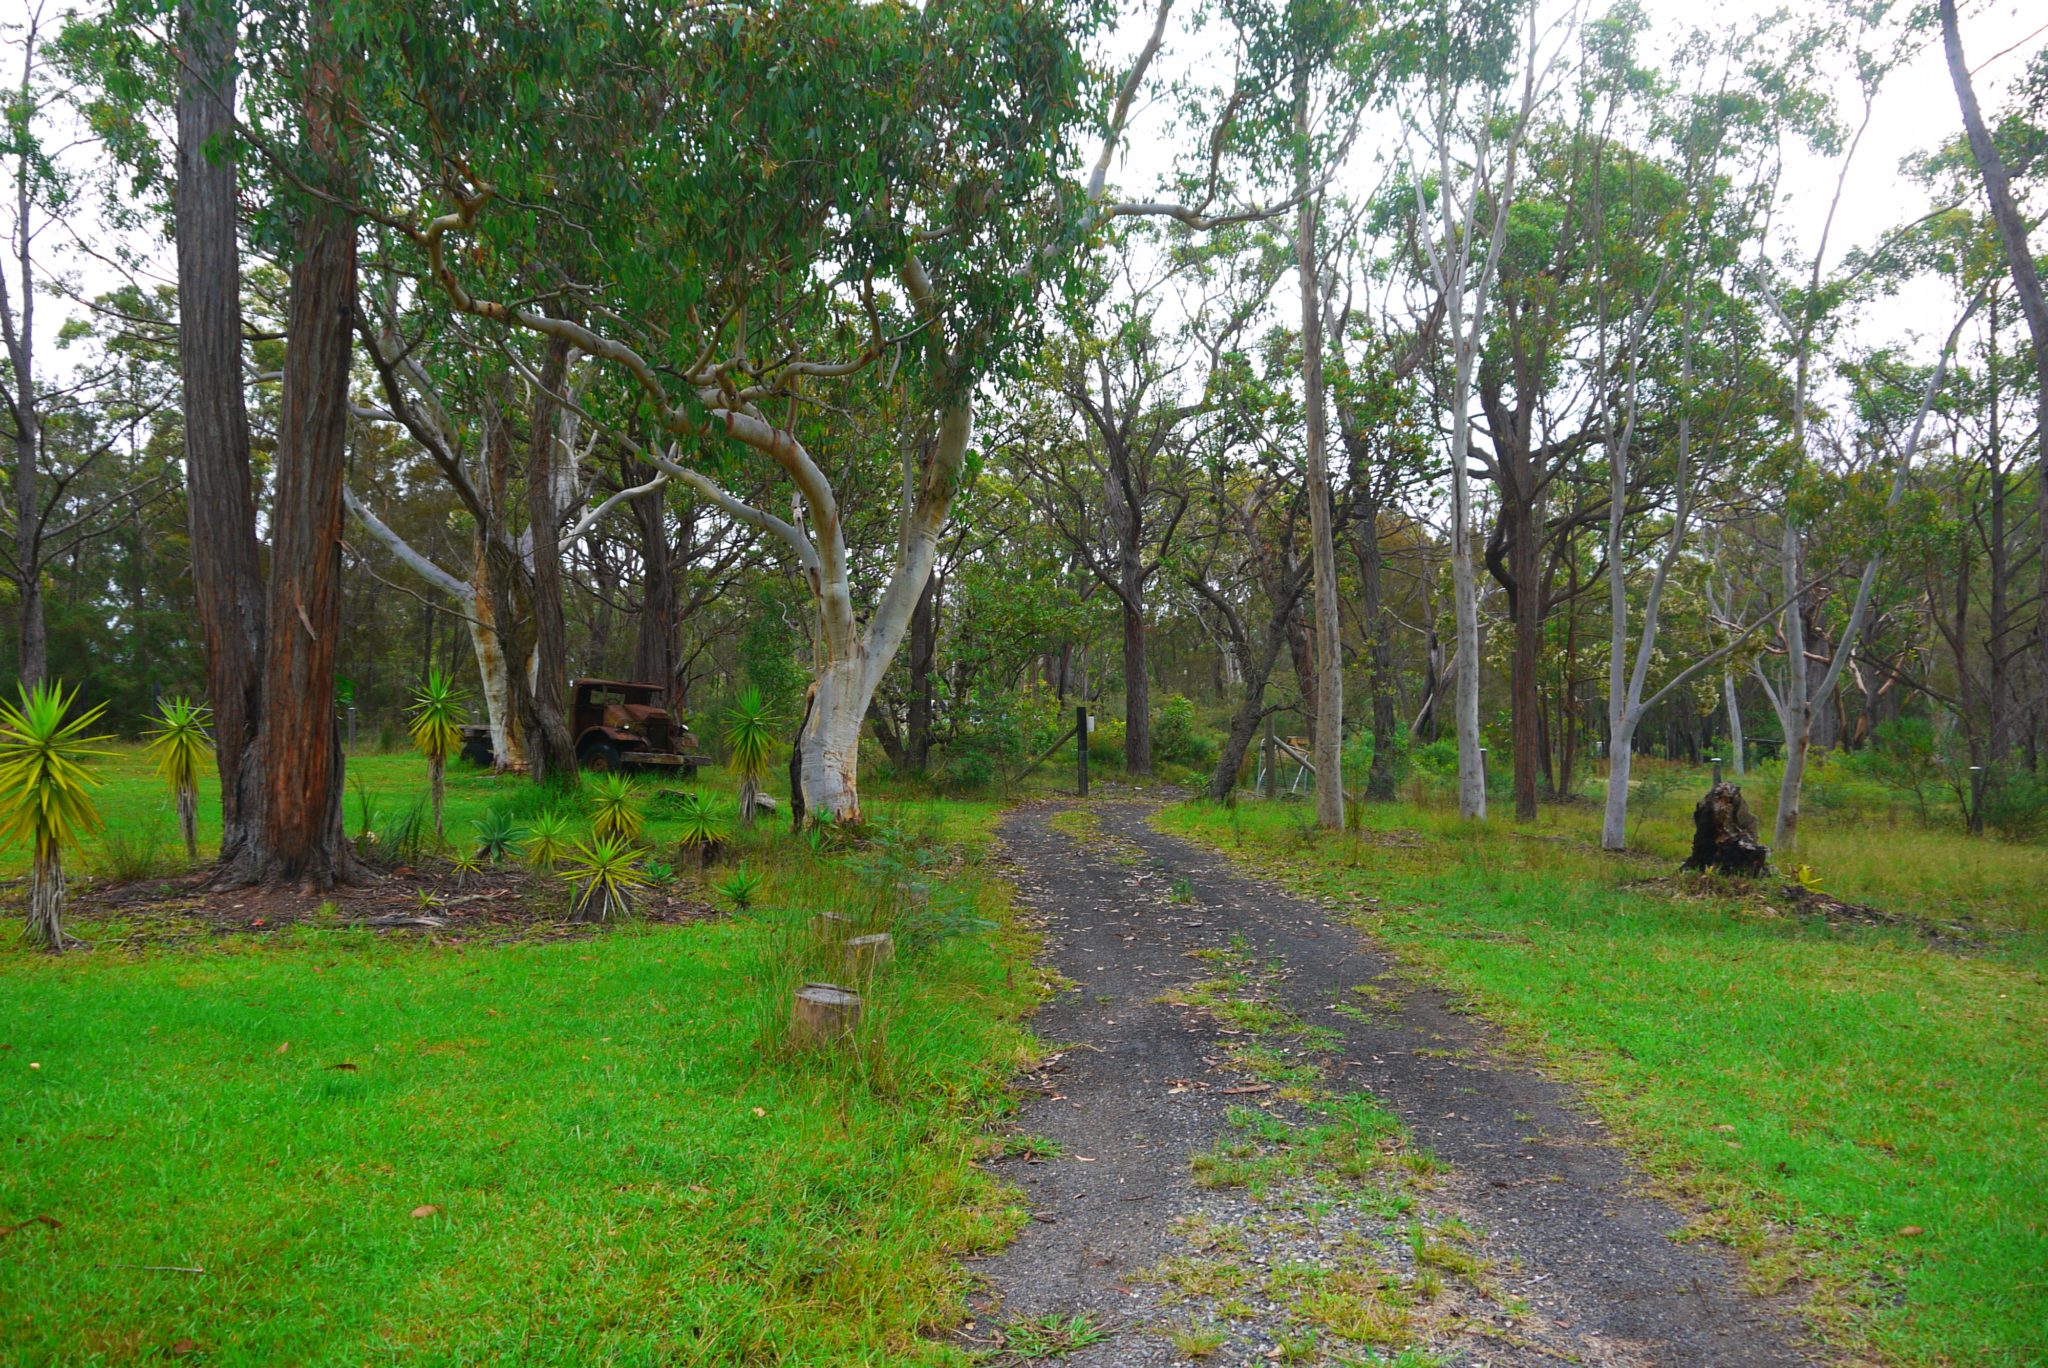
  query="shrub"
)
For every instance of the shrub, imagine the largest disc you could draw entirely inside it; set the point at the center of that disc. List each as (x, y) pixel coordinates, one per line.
(547, 839)
(749, 742)
(604, 876)
(177, 738)
(614, 808)
(438, 713)
(1176, 737)
(968, 768)
(2016, 805)
(45, 794)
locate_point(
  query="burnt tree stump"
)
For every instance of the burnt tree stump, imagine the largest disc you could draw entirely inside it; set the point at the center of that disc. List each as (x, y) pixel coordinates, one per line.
(1724, 833)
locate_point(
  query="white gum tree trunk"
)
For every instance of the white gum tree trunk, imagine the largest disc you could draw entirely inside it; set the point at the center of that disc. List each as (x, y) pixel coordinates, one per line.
(1463, 273)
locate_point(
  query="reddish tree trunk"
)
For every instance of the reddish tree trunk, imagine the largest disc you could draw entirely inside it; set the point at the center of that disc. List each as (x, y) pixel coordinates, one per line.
(300, 742)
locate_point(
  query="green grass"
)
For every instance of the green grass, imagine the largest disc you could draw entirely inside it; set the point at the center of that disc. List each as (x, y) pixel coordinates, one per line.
(579, 1152)
(1863, 844)
(1813, 1094)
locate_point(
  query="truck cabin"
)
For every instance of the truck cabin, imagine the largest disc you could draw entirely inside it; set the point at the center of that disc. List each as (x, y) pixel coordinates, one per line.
(621, 724)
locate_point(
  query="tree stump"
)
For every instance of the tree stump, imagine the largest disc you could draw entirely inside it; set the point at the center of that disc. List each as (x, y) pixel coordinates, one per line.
(867, 954)
(824, 1014)
(830, 927)
(1724, 833)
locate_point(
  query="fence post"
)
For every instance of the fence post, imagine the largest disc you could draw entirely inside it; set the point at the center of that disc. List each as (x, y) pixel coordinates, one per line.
(1272, 773)
(1081, 745)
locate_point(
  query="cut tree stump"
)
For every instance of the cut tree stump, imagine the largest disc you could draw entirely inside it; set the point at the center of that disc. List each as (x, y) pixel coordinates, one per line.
(830, 927)
(1724, 833)
(825, 1014)
(867, 954)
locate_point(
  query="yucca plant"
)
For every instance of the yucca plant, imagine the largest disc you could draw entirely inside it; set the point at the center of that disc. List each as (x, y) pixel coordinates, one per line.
(498, 834)
(547, 840)
(740, 887)
(605, 874)
(45, 794)
(465, 865)
(177, 738)
(438, 713)
(698, 828)
(615, 808)
(749, 739)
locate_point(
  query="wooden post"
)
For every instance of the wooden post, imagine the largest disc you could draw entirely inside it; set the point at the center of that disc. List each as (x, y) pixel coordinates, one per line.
(865, 955)
(824, 1014)
(1272, 783)
(1081, 747)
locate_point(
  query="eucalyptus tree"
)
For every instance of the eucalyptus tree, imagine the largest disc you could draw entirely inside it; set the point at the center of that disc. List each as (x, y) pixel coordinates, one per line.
(1475, 140)
(733, 252)
(1305, 73)
(287, 86)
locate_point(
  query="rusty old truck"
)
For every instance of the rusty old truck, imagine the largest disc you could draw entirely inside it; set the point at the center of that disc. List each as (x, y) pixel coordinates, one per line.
(618, 725)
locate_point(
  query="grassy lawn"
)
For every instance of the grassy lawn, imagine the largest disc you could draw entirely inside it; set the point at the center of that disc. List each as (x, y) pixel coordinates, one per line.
(580, 1151)
(1864, 1116)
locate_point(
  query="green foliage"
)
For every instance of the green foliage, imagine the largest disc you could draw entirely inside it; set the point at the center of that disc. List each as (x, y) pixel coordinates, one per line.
(749, 736)
(498, 836)
(437, 716)
(615, 808)
(2016, 804)
(1176, 737)
(697, 825)
(45, 786)
(604, 872)
(178, 740)
(406, 836)
(549, 839)
(740, 888)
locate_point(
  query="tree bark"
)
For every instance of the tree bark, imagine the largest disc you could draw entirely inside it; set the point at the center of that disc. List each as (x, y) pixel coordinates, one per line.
(299, 739)
(1329, 634)
(924, 650)
(220, 502)
(1137, 680)
(551, 750)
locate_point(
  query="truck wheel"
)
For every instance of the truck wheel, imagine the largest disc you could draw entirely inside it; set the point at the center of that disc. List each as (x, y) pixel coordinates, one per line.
(601, 757)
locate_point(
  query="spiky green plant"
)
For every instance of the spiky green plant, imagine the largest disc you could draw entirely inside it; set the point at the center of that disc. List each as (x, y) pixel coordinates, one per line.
(698, 828)
(548, 842)
(498, 834)
(438, 712)
(615, 808)
(604, 874)
(740, 887)
(46, 794)
(749, 740)
(177, 738)
(464, 865)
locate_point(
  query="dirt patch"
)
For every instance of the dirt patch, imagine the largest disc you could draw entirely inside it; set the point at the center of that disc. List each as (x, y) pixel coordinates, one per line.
(495, 904)
(1210, 1019)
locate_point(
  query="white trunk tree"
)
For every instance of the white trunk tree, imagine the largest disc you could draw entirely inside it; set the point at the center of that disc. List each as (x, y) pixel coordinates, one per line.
(1462, 267)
